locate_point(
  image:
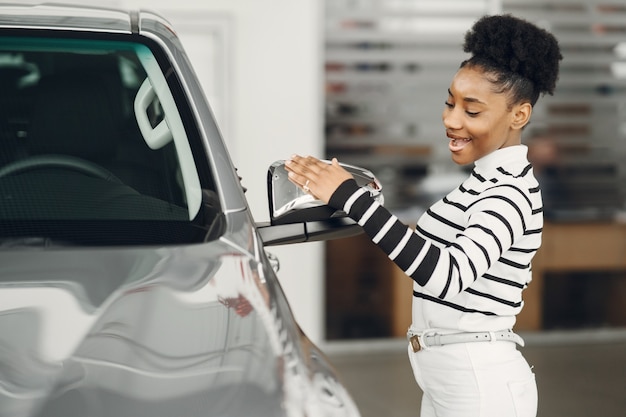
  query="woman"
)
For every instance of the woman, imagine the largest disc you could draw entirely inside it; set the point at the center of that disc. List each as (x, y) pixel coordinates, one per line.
(470, 253)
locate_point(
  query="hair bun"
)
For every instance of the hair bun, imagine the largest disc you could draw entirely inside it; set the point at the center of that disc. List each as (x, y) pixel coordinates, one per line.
(515, 45)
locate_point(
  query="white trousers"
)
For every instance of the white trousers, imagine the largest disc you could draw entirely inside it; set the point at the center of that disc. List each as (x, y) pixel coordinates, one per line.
(483, 379)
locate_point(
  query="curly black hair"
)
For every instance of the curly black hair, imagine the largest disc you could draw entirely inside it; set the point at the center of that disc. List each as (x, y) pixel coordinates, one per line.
(522, 58)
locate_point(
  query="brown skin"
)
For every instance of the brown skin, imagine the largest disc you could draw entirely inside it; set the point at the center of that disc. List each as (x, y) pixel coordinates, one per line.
(478, 120)
(323, 179)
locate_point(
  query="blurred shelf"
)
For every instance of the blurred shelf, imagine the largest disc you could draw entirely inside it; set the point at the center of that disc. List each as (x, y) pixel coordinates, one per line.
(389, 63)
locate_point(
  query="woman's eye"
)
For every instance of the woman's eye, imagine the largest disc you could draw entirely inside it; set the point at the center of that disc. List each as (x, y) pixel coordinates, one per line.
(472, 114)
(449, 105)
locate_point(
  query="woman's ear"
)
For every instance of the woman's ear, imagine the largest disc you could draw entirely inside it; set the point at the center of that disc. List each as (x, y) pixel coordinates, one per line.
(521, 115)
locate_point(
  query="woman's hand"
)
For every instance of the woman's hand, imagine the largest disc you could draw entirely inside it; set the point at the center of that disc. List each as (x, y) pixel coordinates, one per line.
(316, 177)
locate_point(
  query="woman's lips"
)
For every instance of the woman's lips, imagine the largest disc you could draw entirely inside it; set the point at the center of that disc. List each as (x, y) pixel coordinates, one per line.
(457, 143)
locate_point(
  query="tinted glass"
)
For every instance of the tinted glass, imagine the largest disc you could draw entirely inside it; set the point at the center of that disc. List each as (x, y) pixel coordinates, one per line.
(93, 148)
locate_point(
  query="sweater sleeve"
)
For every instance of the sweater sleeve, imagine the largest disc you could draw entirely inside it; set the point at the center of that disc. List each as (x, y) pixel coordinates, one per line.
(494, 223)
(416, 256)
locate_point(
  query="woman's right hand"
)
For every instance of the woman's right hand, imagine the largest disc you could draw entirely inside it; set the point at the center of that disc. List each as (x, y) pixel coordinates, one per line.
(316, 177)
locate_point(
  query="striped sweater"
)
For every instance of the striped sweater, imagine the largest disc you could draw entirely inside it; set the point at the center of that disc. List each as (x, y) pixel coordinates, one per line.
(470, 253)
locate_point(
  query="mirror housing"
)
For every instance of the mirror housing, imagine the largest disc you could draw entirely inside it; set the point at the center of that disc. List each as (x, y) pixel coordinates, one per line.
(296, 216)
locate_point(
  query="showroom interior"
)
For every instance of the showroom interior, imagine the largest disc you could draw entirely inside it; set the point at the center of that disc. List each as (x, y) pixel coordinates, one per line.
(386, 66)
(365, 81)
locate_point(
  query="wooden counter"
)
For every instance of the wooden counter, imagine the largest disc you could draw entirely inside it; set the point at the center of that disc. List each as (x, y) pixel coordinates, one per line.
(572, 247)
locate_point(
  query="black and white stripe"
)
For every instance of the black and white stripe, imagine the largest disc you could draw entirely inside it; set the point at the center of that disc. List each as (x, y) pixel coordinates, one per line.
(470, 251)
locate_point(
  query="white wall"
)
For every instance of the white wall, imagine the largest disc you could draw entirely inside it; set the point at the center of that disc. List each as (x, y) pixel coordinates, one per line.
(271, 107)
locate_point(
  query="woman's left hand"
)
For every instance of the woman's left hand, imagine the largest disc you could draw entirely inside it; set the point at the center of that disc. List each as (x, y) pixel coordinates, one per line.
(316, 177)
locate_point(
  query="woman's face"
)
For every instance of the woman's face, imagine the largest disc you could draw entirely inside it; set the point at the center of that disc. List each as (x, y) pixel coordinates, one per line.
(477, 119)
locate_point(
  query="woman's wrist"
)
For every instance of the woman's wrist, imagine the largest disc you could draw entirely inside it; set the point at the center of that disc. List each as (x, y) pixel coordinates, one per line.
(341, 195)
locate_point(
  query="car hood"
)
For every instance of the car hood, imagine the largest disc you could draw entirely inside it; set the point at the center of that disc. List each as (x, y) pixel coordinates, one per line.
(180, 331)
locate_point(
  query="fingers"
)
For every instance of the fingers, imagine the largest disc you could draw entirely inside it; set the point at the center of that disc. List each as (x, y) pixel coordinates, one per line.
(305, 164)
(300, 167)
(297, 171)
(316, 177)
(303, 171)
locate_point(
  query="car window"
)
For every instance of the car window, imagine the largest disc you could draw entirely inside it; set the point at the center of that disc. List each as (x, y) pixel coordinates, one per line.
(93, 147)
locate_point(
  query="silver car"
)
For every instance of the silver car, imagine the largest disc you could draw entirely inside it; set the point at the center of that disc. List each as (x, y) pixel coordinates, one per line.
(133, 278)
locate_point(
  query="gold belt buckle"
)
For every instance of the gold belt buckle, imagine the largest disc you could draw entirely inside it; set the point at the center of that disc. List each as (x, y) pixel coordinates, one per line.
(415, 343)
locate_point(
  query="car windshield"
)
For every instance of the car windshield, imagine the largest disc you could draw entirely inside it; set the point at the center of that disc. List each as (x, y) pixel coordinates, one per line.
(96, 147)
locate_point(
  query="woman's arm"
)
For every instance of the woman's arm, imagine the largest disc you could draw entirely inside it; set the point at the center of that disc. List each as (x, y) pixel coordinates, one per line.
(493, 225)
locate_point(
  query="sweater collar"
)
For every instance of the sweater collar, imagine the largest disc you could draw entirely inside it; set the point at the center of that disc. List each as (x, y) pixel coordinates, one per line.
(511, 158)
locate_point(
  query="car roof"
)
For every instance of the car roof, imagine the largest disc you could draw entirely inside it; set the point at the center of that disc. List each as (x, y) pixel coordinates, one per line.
(67, 16)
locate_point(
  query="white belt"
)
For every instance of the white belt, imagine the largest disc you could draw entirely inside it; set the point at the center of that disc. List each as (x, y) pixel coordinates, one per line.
(428, 338)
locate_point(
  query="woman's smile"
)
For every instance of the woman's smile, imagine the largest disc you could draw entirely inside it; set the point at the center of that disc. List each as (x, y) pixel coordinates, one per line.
(457, 143)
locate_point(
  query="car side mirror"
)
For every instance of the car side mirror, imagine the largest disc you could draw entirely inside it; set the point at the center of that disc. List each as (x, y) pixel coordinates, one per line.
(288, 203)
(297, 217)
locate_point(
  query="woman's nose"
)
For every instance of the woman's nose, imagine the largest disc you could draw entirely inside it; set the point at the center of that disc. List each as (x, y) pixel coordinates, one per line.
(451, 119)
